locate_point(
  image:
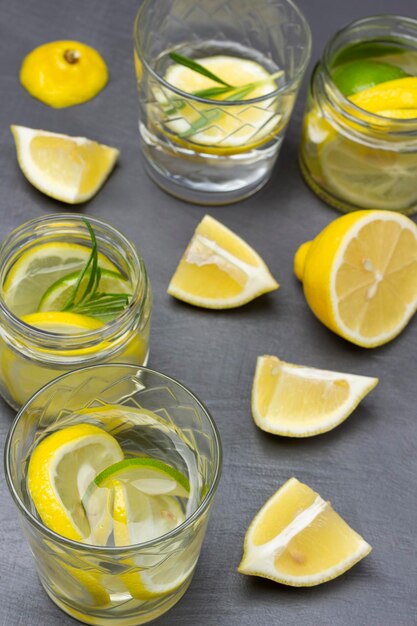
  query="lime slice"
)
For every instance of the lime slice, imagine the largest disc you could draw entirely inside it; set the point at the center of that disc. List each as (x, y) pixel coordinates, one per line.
(362, 74)
(39, 267)
(56, 296)
(148, 475)
(61, 468)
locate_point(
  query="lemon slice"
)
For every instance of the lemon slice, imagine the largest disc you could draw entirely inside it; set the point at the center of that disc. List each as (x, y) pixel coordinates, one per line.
(21, 376)
(70, 169)
(297, 401)
(228, 126)
(298, 539)
(137, 518)
(38, 267)
(63, 73)
(219, 270)
(399, 114)
(360, 275)
(58, 293)
(392, 94)
(369, 178)
(61, 468)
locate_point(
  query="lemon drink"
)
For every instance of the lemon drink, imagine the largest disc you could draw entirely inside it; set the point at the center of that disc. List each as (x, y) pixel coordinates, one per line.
(358, 147)
(115, 494)
(73, 292)
(214, 107)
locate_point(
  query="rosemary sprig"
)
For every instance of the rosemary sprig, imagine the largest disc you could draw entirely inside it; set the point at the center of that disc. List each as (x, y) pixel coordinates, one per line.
(88, 300)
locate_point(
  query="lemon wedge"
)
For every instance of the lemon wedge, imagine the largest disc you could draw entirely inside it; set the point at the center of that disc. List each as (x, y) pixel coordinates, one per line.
(219, 270)
(298, 401)
(229, 126)
(61, 468)
(400, 93)
(40, 266)
(360, 275)
(297, 539)
(63, 73)
(70, 169)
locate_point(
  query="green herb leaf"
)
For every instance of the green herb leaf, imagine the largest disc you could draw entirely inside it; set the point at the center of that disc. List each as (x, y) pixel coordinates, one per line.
(196, 67)
(88, 300)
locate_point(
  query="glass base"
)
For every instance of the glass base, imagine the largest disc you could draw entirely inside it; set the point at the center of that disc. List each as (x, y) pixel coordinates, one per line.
(207, 179)
(335, 202)
(113, 618)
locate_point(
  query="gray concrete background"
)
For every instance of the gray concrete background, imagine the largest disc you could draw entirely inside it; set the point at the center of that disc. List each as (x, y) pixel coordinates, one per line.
(367, 467)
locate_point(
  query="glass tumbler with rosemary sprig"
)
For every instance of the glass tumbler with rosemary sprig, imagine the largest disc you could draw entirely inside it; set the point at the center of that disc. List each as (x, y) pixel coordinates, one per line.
(217, 83)
(73, 292)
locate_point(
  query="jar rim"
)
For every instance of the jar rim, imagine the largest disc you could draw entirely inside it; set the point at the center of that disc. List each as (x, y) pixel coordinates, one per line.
(109, 550)
(353, 112)
(45, 338)
(226, 103)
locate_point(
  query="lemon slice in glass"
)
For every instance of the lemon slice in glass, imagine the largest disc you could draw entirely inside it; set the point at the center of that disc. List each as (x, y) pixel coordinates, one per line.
(63, 73)
(61, 468)
(360, 275)
(219, 270)
(297, 401)
(228, 126)
(70, 169)
(297, 539)
(38, 267)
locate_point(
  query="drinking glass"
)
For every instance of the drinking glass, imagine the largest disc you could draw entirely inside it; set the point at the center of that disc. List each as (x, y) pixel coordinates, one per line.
(216, 151)
(111, 584)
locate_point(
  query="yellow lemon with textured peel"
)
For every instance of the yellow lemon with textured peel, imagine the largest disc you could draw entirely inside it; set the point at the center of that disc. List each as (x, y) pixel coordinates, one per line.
(360, 275)
(298, 401)
(61, 468)
(219, 270)
(63, 73)
(70, 169)
(297, 539)
(400, 93)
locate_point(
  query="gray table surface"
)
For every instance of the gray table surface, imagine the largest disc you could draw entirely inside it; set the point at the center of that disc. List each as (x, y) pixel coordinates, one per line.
(367, 467)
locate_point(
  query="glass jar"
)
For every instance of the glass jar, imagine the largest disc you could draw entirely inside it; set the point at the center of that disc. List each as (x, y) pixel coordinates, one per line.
(351, 158)
(32, 355)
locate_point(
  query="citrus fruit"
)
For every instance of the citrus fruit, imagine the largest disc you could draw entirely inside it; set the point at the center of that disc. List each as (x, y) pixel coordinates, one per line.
(61, 468)
(38, 267)
(63, 73)
(399, 114)
(297, 539)
(150, 476)
(394, 94)
(298, 401)
(367, 177)
(362, 74)
(219, 270)
(70, 169)
(58, 293)
(22, 376)
(138, 517)
(360, 275)
(225, 126)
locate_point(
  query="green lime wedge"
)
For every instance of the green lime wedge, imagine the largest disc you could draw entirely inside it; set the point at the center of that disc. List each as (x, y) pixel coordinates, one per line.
(56, 296)
(362, 74)
(148, 475)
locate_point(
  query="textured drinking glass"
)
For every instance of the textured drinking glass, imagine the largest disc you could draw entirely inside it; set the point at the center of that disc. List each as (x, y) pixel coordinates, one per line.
(30, 356)
(131, 585)
(229, 155)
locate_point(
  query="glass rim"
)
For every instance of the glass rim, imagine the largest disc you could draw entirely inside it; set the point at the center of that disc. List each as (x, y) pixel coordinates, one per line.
(39, 525)
(352, 111)
(226, 103)
(90, 337)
